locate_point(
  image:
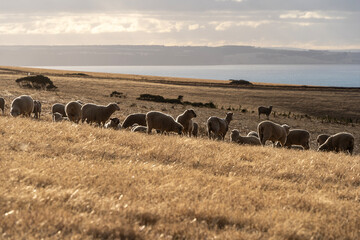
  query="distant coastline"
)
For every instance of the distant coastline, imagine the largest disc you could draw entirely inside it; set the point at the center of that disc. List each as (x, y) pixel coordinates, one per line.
(333, 75)
(155, 55)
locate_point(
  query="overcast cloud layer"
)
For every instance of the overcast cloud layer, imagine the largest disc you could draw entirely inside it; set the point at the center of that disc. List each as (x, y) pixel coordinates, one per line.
(328, 24)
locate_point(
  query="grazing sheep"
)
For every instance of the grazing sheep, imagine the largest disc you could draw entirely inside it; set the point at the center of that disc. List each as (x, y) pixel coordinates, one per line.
(138, 118)
(298, 137)
(73, 111)
(195, 129)
(23, 105)
(185, 120)
(58, 108)
(58, 117)
(162, 122)
(37, 109)
(113, 123)
(253, 134)
(139, 128)
(274, 132)
(219, 126)
(322, 138)
(250, 140)
(264, 110)
(2, 105)
(98, 113)
(342, 141)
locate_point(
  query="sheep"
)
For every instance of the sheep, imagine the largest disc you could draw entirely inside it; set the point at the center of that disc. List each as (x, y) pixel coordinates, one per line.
(219, 126)
(253, 133)
(98, 113)
(37, 109)
(185, 119)
(264, 110)
(250, 140)
(322, 138)
(130, 120)
(195, 129)
(57, 117)
(73, 111)
(2, 105)
(342, 141)
(113, 123)
(60, 108)
(268, 130)
(139, 128)
(162, 122)
(23, 105)
(298, 137)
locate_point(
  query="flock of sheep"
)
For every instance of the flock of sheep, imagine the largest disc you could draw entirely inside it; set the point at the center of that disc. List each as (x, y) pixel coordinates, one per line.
(216, 127)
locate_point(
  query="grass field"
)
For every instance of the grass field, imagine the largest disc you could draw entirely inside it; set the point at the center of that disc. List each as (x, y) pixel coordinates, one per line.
(62, 180)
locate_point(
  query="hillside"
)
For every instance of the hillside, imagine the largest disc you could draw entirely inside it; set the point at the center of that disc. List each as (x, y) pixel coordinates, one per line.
(62, 180)
(127, 55)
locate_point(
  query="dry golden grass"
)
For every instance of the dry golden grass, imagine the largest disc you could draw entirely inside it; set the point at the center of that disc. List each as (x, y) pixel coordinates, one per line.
(61, 180)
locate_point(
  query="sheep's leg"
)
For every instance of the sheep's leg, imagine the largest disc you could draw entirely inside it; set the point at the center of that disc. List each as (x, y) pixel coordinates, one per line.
(149, 130)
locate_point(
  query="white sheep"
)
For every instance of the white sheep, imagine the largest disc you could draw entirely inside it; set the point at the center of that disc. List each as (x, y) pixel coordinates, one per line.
(253, 134)
(60, 108)
(298, 137)
(219, 126)
(2, 105)
(163, 122)
(185, 119)
(37, 109)
(237, 138)
(98, 113)
(57, 117)
(264, 110)
(139, 128)
(322, 138)
(195, 129)
(135, 118)
(113, 123)
(73, 111)
(342, 141)
(274, 132)
(23, 105)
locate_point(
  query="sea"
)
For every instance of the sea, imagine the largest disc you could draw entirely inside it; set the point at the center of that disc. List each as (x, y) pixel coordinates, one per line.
(316, 75)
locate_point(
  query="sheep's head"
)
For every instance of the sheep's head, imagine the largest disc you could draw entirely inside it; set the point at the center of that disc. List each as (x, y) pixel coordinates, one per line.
(180, 129)
(14, 112)
(114, 106)
(192, 113)
(286, 127)
(234, 135)
(229, 117)
(116, 121)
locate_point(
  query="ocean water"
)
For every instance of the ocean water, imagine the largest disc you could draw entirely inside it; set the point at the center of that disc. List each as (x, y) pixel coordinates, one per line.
(318, 75)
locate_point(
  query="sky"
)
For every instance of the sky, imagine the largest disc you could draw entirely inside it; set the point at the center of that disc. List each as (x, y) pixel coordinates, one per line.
(305, 24)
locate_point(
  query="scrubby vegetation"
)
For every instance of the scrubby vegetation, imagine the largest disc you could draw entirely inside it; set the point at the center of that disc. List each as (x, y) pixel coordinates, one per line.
(36, 82)
(179, 100)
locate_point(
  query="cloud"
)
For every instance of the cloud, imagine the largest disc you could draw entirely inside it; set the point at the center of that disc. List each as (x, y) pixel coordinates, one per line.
(309, 15)
(223, 26)
(95, 24)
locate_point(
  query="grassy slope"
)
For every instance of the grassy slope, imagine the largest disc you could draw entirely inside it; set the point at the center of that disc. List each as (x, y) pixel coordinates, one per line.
(62, 180)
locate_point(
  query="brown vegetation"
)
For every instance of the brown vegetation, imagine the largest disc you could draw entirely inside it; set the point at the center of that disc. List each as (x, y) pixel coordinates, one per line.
(64, 180)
